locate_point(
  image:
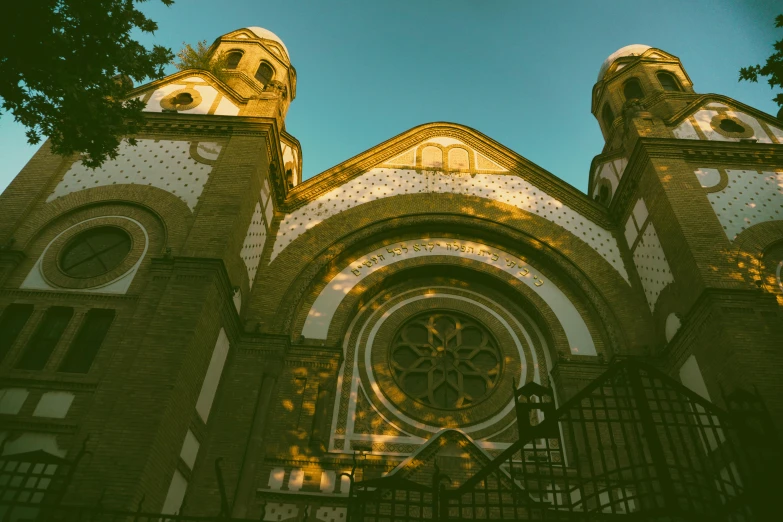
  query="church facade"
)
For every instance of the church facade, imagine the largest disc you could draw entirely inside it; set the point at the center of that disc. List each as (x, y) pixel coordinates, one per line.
(193, 303)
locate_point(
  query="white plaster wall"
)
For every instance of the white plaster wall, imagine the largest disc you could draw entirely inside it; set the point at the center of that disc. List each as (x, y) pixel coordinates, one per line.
(328, 481)
(612, 171)
(27, 442)
(672, 326)
(226, 108)
(54, 405)
(692, 378)
(652, 266)
(758, 133)
(175, 494)
(162, 164)
(12, 400)
(290, 157)
(281, 511)
(276, 478)
(331, 514)
(708, 178)
(323, 309)
(295, 479)
(253, 246)
(209, 95)
(383, 183)
(685, 131)
(750, 198)
(703, 118)
(189, 450)
(212, 378)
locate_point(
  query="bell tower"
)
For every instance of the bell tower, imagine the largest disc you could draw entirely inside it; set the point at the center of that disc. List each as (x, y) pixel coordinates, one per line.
(259, 67)
(638, 79)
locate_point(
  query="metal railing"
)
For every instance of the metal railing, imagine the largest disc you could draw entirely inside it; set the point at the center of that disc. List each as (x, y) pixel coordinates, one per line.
(633, 445)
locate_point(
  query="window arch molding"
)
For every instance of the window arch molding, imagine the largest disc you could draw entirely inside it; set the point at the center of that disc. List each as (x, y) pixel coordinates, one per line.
(233, 57)
(632, 89)
(668, 81)
(265, 73)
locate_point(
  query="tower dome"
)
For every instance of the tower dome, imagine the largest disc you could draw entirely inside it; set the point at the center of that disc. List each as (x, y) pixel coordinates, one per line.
(628, 50)
(266, 34)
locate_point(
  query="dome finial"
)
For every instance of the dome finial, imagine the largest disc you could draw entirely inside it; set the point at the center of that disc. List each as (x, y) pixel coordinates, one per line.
(266, 34)
(628, 50)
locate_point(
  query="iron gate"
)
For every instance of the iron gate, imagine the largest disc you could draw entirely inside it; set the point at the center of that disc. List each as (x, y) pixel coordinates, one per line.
(633, 445)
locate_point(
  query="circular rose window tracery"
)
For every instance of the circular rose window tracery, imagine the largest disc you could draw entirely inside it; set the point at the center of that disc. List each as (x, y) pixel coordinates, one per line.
(445, 360)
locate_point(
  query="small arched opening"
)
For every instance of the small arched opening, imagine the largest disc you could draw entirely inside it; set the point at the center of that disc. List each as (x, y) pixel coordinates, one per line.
(668, 82)
(632, 89)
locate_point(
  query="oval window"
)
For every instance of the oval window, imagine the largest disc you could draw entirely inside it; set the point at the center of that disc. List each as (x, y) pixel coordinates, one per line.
(95, 252)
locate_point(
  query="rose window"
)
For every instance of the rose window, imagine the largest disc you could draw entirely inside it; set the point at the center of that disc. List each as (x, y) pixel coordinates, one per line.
(445, 360)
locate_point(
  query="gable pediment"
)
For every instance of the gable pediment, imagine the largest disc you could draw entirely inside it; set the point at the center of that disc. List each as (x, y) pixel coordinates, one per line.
(189, 92)
(719, 118)
(444, 153)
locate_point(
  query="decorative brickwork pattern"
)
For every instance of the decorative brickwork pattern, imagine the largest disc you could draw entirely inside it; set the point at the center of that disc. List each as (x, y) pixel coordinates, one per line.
(750, 198)
(652, 265)
(164, 164)
(254, 243)
(512, 190)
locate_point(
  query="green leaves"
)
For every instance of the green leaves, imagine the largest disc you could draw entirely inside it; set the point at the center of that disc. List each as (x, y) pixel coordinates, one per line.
(773, 68)
(202, 58)
(66, 67)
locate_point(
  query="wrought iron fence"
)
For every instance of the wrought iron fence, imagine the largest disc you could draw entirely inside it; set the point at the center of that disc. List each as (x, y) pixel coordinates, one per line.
(633, 445)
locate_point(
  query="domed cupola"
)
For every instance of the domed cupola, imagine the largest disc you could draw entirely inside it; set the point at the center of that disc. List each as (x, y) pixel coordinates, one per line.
(259, 66)
(638, 77)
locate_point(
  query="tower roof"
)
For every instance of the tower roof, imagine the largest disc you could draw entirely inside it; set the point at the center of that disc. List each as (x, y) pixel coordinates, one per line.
(266, 34)
(628, 50)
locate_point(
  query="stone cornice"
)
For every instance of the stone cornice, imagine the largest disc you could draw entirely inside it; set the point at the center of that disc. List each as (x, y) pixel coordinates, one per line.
(516, 164)
(49, 381)
(34, 424)
(71, 296)
(208, 125)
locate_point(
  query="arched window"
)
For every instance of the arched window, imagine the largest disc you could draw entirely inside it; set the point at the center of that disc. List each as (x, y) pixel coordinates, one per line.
(603, 195)
(232, 61)
(668, 82)
(633, 89)
(608, 116)
(264, 73)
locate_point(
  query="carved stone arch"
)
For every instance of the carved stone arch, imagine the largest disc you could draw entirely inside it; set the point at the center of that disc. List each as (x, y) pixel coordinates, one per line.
(439, 269)
(471, 157)
(45, 245)
(420, 155)
(609, 295)
(172, 212)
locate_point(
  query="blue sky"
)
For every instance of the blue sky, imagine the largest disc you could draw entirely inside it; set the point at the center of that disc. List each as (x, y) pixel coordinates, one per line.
(519, 71)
